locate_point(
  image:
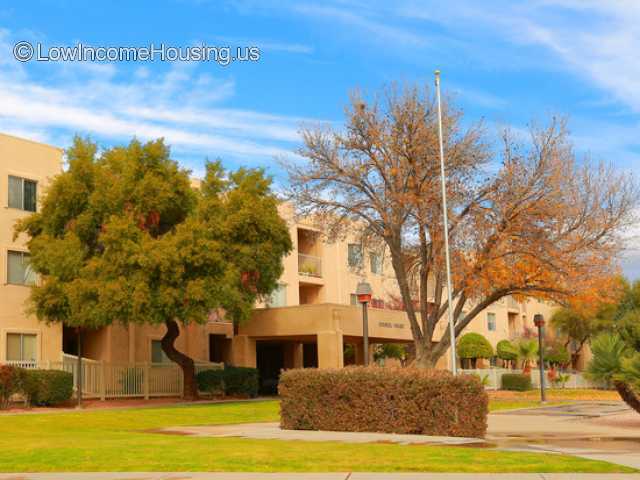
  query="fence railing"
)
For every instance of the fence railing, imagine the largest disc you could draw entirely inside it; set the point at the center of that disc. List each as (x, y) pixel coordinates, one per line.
(123, 380)
(309, 265)
(493, 378)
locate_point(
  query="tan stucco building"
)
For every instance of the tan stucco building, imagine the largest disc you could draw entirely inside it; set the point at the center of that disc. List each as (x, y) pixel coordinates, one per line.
(306, 322)
(25, 169)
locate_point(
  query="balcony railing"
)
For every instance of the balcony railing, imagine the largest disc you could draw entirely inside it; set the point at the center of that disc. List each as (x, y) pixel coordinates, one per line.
(512, 303)
(309, 265)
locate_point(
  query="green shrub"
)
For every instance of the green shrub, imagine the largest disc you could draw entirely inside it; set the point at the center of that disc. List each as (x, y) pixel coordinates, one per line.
(211, 381)
(474, 346)
(241, 381)
(10, 383)
(404, 400)
(47, 387)
(516, 382)
(505, 350)
(557, 355)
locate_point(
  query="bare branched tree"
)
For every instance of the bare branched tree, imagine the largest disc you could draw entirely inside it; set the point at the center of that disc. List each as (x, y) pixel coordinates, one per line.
(525, 219)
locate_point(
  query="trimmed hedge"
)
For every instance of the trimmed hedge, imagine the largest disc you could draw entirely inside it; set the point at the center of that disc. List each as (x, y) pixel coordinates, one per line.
(505, 350)
(47, 387)
(10, 383)
(390, 400)
(242, 381)
(473, 345)
(516, 382)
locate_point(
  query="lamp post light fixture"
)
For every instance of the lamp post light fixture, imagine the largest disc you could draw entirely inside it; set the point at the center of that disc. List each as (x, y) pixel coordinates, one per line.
(538, 321)
(363, 292)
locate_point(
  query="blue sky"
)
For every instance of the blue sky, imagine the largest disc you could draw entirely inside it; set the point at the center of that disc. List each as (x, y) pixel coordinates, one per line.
(506, 62)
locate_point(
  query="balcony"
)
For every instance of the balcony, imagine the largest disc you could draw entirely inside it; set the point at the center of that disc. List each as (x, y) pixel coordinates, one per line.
(309, 265)
(512, 304)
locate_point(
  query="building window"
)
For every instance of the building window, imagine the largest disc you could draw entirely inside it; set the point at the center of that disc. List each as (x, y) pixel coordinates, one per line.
(21, 347)
(491, 322)
(375, 259)
(19, 272)
(22, 194)
(354, 299)
(278, 297)
(355, 255)
(157, 354)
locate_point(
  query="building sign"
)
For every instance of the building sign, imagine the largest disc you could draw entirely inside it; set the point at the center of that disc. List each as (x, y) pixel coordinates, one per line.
(390, 325)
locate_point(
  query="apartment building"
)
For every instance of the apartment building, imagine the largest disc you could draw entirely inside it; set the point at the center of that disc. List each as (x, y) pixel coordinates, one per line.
(306, 322)
(25, 169)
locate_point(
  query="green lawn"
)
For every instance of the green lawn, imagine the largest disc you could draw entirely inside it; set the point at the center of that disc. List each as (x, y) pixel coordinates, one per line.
(508, 404)
(123, 440)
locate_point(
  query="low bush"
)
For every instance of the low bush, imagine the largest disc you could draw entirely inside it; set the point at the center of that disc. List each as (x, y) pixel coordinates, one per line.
(241, 381)
(47, 387)
(361, 399)
(10, 383)
(516, 382)
(211, 381)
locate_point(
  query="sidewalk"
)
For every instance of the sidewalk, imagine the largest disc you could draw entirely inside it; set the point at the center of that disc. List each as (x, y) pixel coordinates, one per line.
(318, 476)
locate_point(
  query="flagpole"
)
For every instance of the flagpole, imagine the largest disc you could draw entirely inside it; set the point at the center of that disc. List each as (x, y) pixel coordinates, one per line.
(452, 333)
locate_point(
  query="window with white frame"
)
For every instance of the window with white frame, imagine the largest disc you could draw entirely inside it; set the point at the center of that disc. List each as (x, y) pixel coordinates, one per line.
(491, 322)
(278, 297)
(354, 257)
(375, 260)
(22, 193)
(22, 347)
(157, 354)
(19, 271)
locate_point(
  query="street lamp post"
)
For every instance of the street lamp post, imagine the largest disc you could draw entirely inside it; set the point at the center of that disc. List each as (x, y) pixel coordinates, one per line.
(538, 321)
(363, 291)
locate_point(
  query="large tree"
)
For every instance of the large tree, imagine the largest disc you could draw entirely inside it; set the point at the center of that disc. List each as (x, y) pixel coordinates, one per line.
(526, 219)
(122, 236)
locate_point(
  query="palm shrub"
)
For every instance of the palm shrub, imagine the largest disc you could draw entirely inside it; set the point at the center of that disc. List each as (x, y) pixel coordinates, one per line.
(473, 346)
(526, 351)
(617, 364)
(506, 351)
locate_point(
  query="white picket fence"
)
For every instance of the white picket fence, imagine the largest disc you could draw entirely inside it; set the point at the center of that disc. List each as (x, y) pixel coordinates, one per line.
(494, 375)
(123, 380)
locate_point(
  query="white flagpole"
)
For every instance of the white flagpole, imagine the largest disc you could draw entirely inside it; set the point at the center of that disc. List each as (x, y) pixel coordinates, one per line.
(454, 368)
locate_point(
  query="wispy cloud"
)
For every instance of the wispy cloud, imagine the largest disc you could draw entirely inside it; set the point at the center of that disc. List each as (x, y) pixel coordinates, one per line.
(112, 104)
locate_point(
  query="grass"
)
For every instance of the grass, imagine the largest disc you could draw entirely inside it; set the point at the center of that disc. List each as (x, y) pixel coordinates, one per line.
(506, 400)
(557, 394)
(124, 440)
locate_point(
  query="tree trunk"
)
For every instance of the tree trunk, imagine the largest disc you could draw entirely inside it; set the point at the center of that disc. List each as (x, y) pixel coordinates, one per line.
(628, 395)
(190, 387)
(423, 356)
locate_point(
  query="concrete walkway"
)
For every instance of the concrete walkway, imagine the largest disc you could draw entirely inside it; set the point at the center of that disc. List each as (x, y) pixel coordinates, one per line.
(272, 431)
(318, 476)
(607, 431)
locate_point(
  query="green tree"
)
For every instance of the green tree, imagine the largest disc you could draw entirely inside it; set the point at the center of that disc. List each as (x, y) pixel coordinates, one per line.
(474, 346)
(506, 351)
(390, 350)
(123, 237)
(580, 325)
(626, 317)
(556, 354)
(615, 362)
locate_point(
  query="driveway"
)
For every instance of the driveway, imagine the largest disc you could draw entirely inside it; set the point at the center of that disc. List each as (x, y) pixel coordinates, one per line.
(607, 431)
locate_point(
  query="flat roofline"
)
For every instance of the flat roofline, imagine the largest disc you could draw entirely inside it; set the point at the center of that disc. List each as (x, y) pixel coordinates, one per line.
(60, 149)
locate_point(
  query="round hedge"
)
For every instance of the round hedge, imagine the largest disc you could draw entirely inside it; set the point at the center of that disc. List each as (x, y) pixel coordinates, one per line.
(474, 345)
(506, 351)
